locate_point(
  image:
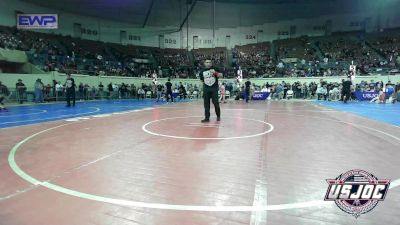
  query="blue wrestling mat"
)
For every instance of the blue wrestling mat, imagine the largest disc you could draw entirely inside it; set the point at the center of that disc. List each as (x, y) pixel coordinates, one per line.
(32, 114)
(388, 113)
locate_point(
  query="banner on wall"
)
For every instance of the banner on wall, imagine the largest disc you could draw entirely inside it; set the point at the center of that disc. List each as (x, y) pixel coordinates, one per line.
(37, 21)
(260, 95)
(366, 95)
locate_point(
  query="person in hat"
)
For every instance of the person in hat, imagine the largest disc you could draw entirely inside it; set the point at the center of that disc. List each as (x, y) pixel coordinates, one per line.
(20, 91)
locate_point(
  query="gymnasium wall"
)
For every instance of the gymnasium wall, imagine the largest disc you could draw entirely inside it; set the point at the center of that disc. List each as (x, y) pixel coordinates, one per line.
(29, 79)
(244, 23)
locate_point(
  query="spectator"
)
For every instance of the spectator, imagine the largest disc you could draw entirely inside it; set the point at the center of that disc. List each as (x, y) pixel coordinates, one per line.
(21, 88)
(39, 87)
(59, 91)
(4, 93)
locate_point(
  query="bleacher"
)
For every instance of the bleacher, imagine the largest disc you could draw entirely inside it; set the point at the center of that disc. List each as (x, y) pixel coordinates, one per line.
(252, 55)
(171, 57)
(387, 44)
(64, 53)
(299, 48)
(218, 55)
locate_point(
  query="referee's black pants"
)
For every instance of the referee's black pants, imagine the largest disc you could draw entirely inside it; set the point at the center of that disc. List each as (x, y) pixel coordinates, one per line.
(169, 93)
(346, 95)
(213, 95)
(70, 95)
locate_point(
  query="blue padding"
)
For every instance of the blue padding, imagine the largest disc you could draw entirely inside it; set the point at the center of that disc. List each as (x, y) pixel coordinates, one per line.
(388, 113)
(33, 114)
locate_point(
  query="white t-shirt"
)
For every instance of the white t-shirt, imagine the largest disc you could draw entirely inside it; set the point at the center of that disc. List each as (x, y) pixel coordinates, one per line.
(115, 87)
(59, 87)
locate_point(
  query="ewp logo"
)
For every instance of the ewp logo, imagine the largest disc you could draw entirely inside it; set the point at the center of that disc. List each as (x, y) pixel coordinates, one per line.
(37, 21)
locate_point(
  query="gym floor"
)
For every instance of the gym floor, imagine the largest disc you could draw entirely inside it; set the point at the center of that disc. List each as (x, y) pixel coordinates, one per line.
(138, 162)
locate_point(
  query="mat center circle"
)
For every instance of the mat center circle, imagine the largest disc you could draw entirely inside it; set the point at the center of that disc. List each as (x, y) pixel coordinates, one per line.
(191, 128)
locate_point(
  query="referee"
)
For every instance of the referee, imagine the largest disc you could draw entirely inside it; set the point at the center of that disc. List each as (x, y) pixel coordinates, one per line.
(209, 77)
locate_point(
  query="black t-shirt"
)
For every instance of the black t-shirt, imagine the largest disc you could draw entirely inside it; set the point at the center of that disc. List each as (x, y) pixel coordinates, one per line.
(248, 83)
(70, 84)
(210, 82)
(101, 87)
(169, 86)
(182, 89)
(159, 87)
(347, 85)
(20, 86)
(3, 90)
(285, 88)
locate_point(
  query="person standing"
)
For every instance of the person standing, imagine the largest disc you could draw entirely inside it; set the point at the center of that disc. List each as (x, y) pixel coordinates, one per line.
(101, 90)
(70, 89)
(159, 89)
(20, 91)
(346, 89)
(59, 91)
(53, 89)
(168, 93)
(247, 90)
(4, 93)
(81, 87)
(110, 90)
(222, 93)
(39, 86)
(209, 76)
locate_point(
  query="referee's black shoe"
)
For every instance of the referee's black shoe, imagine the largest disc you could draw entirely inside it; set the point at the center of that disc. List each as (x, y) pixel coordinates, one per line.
(205, 120)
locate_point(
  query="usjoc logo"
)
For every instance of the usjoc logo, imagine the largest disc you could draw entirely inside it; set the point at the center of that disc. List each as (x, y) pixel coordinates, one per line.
(37, 21)
(369, 95)
(257, 95)
(356, 191)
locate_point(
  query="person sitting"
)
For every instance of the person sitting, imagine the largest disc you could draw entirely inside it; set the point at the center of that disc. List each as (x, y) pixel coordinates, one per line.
(264, 89)
(222, 92)
(140, 93)
(322, 92)
(380, 98)
(182, 92)
(394, 97)
(334, 94)
(289, 94)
